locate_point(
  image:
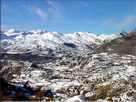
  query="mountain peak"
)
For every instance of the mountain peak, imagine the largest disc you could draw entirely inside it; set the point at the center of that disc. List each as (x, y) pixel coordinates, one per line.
(13, 32)
(38, 31)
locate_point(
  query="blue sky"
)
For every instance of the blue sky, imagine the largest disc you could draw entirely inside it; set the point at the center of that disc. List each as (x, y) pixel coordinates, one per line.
(65, 16)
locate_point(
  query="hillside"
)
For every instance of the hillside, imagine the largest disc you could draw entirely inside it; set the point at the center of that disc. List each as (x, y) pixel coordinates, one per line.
(122, 45)
(101, 75)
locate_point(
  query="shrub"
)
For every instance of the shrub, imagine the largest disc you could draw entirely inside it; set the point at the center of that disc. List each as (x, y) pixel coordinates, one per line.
(103, 91)
(100, 93)
(83, 64)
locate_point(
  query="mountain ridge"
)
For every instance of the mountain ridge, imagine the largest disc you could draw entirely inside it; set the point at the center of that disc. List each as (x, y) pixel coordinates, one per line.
(42, 42)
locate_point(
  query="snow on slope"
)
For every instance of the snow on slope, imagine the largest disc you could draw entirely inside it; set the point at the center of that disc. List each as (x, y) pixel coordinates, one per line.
(42, 42)
(103, 78)
(13, 32)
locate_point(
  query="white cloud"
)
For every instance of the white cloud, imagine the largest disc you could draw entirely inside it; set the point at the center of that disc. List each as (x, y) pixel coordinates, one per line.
(41, 13)
(55, 13)
(38, 11)
(85, 3)
(107, 22)
(55, 10)
(54, 4)
(118, 23)
(126, 22)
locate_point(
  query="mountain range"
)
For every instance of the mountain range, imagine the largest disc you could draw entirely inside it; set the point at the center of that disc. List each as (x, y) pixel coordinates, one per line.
(44, 43)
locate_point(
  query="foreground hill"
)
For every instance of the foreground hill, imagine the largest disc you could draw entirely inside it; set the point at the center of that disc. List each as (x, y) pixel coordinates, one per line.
(98, 77)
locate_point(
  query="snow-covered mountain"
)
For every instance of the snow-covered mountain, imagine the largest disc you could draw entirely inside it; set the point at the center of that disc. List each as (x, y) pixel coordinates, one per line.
(44, 43)
(102, 75)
